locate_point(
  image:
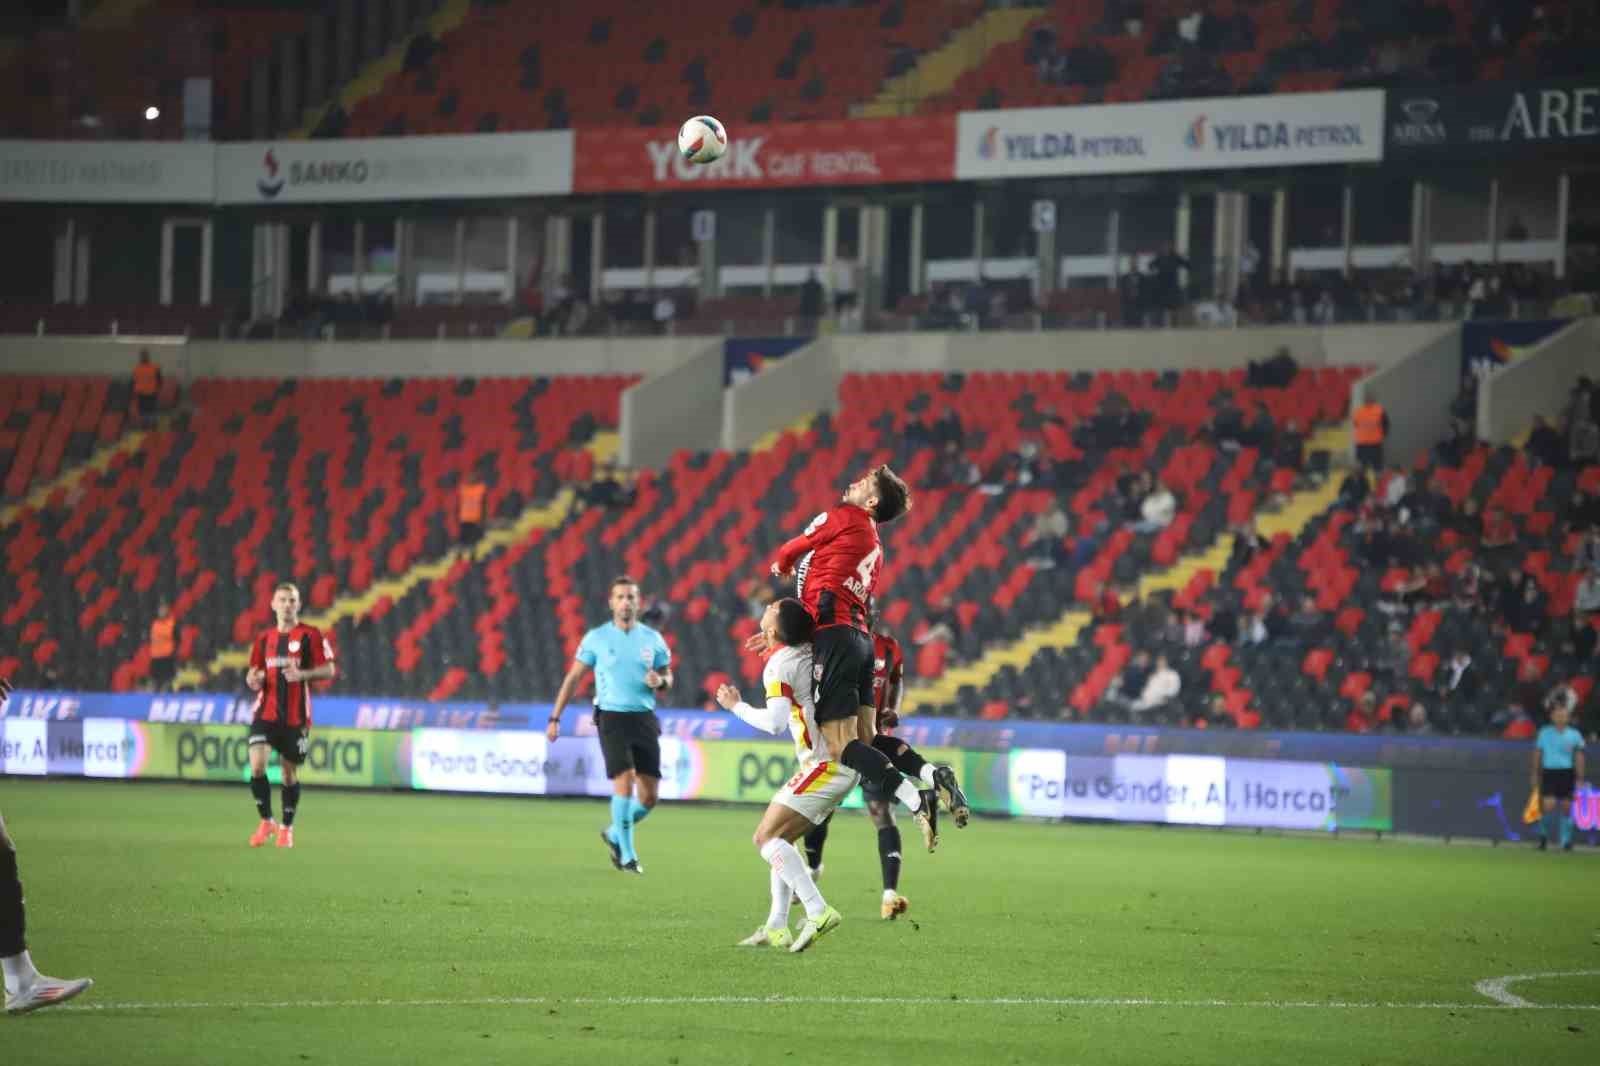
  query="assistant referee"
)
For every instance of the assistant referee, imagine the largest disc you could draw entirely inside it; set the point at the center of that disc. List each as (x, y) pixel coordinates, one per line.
(631, 663)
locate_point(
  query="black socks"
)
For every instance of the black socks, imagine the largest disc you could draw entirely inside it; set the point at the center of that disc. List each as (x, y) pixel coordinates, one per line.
(814, 841)
(261, 789)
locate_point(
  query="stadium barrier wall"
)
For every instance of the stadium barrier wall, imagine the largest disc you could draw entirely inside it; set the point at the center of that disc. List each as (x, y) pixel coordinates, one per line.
(680, 407)
(1537, 383)
(1449, 787)
(1416, 392)
(350, 359)
(802, 383)
(1133, 349)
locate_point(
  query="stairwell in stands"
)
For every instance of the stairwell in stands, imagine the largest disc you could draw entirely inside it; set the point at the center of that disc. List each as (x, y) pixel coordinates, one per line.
(937, 71)
(68, 479)
(370, 79)
(1291, 517)
(547, 516)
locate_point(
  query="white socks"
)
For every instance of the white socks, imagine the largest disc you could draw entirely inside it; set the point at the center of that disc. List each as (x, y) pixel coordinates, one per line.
(19, 972)
(906, 792)
(788, 864)
(782, 894)
(890, 895)
(927, 774)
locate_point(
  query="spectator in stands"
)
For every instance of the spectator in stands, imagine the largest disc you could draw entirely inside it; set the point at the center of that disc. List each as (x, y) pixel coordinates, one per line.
(1129, 684)
(1417, 724)
(1106, 605)
(1047, 538)
(1525, 611)
(1363, 716)
(1167, 292)
(1545, 444)
(1498, 530)
(1161, 689)
(1289, 449)
(1371, 427)
(163, 648)
(943, 624)
(1157, 511)
(1307, 625)
(1583, 441)
(1194, 633)
(1588, 552)
(146, 385)
(1395, 487)
(810, 301)
(1586, 599)
(1470, 587)
(951, 468)
(844, 285)
(1562, 697)
(664, 312)
(471, 510)
(1247, 541)
(1453, 450)
(1458, 681)
(1515, 723)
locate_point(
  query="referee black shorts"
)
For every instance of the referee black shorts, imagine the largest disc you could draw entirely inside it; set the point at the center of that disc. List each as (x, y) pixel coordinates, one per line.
(1557, 784)
(629, 740)
(841, 672)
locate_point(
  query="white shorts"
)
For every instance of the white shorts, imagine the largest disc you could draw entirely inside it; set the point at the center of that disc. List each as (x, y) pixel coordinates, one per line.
(817, 789)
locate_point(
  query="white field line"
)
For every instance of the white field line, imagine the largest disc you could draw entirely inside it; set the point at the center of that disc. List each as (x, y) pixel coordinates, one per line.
(1503, 1001)
(1499, 988)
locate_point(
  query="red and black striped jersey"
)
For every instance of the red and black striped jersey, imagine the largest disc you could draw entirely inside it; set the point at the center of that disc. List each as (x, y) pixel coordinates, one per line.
(836, 563)
(288, 702)
(888, 668)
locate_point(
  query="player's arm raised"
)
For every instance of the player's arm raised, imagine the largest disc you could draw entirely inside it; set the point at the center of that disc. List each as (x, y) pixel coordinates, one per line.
(771, 718)
(822, 529)
(569, 685)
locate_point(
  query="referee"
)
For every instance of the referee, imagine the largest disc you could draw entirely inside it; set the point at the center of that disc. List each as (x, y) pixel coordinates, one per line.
(1557, 767)
(631, 663)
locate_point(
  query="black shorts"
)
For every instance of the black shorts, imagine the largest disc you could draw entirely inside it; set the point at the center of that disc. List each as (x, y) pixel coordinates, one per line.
(471, 532)
(162, 671)
(629, 740)
(288, 742)
(147, 403)
(841, 672)
(1370, 455)
(1557, 784)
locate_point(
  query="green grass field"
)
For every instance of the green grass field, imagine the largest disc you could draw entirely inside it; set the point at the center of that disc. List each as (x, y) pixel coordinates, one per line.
(434, 929)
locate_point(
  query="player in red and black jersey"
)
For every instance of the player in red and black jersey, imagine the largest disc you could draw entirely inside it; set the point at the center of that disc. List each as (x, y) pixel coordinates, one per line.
(836, 563)
(888, 677)
(283, 662)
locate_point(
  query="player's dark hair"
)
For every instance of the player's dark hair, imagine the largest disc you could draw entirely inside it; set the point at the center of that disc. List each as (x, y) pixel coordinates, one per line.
(894, 497)
(623, 579)
(795, 624)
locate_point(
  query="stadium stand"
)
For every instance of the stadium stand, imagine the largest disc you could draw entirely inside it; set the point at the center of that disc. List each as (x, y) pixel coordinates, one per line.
(86, 82)
(1126, 51)
(334, 484)
(1474, 551)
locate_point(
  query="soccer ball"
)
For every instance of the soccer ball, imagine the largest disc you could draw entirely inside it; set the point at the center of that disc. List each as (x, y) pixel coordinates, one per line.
(702, 139)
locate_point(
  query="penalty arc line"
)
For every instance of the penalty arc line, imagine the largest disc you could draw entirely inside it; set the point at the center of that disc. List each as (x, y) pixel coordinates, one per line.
(1499, 988)
(871, 1001)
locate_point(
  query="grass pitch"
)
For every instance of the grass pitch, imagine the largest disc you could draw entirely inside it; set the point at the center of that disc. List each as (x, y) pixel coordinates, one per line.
(432, 929)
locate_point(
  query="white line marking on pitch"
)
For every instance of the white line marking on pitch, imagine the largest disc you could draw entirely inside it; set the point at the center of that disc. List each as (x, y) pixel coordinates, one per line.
(1509, 1002)
(1498, 988)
